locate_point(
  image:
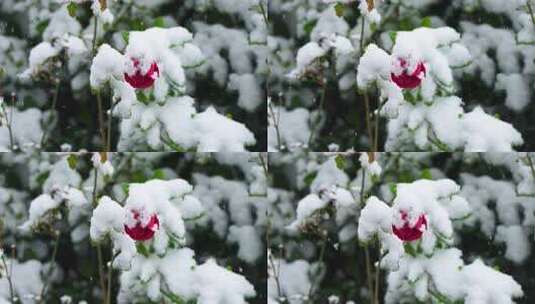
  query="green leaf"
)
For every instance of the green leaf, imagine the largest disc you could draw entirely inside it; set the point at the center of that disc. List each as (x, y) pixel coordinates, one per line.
(41, 178)
(137, 24)
(41, 26)
(126, 36)
(141, 249)
(426, 22)
(72, 7)
(309, 26)
(142, 97)
(159, 22)
(339, 9)
(340, 162)
(409, 249)
(125, 187)
(309, 178)
(393, 35)
(158, 174)
(393, 189)
(405, 24)
(73, 161)
(426, 174)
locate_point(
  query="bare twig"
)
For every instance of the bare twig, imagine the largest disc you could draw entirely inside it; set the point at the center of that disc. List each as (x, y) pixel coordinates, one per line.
(51, 268)
(9, 273)
(98, 247)
(530, 9)
(44, 137)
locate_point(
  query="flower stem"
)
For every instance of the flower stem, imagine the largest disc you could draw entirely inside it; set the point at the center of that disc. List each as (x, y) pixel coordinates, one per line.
(110, 119)
(51, 268)
(8, 125)
(95, 31)
(365, 94)
(321, 106)
(377, 277)
(110, 274)
(44, 137)
(320, 259)
(369, 273)
(99, 97)
(101, 122)
(530, 9)
(8, 277)
(368, 121)
(275, 117)
(98, 247)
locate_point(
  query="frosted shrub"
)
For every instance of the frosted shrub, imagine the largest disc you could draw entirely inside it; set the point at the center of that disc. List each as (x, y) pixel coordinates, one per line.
(132, 75)
(400, 75)
(106, 228)
(392, 228)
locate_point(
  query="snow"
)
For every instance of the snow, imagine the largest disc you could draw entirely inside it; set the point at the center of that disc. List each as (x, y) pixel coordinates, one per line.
(26, 137)
(293, 126)
(486, 285)
(108, 219)
(516, 88)
(445, 273)
(61, 24)
(206, 131)
(306, 55)
(329, 175)
(375, 218)
(495, 136)
(208, 282)
(215, 284)
(293, 277)
(103, 14)
(250, 93)
(307, 207)
(38, 56)
(29, 283)
(453, 127)
(374, 168)
(517, 243)
(108, 64)
(371, 13)
(103, 166)
(250, 245)
(40, 206)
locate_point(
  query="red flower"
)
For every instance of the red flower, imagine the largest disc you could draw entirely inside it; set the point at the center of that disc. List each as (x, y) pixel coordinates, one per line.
(142, 81)
(142, 232)
(408, 233)
(406, 79)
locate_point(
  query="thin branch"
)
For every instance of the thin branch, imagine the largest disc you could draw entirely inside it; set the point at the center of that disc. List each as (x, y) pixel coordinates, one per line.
(530, 9)
(44, 137)
(98, 247)
(101, 121)
(52, 264)
(110, 276)
(110, 119)
(320, 259)
(9, 274)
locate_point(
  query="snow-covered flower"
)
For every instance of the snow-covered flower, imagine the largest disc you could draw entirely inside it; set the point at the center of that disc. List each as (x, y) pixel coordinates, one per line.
(408, 231)
(407, 77)
(140, 78)
(141, 229)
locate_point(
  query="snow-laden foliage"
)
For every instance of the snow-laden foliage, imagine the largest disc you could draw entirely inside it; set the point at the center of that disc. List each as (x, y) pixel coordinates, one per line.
(77, 226)
(401, 228)
(69, 65)
(401, 75)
